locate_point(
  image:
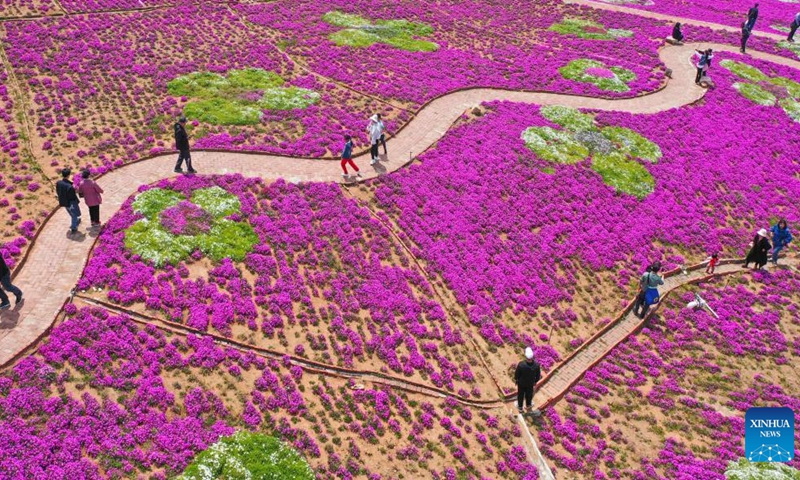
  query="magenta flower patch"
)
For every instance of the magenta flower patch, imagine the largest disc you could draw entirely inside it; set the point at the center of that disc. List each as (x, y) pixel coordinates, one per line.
(186, 218)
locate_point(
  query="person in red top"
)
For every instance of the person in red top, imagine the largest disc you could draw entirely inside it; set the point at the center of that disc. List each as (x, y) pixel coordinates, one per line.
(712, 263)
(90, 192)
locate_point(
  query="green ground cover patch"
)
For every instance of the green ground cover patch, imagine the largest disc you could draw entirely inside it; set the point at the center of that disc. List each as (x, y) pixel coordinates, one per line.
(238, 98)
(248, 456)
(613, 79)
(361, 32)
(167, 234)
(613, 149)
(746, 470)
(588, 29)
(755, 93)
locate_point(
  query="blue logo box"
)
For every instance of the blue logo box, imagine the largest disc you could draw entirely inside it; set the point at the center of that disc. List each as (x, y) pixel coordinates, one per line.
(769, 434)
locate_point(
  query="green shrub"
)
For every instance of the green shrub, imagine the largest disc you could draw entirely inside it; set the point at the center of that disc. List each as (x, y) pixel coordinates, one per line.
(248, 456)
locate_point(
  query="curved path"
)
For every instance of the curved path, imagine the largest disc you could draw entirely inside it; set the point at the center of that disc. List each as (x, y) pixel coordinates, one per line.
(672, 18)
(54, 262)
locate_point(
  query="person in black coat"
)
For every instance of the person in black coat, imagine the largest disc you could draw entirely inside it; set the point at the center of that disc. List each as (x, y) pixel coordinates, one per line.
(758, 252)
(676, 32)
(745, 36)
(526, 376)
(182, 144)
(752, 16)
(5, 280)
(68, 199)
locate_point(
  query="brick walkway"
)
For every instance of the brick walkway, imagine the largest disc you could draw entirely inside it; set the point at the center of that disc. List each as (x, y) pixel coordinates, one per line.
(568, 373)
(55, 262)
(672, 18)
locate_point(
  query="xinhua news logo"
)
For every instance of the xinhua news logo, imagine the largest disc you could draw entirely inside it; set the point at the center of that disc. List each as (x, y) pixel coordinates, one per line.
(769, 434)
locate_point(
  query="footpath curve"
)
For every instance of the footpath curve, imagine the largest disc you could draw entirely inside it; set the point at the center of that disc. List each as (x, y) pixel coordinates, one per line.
(54, 263)
(640, 12)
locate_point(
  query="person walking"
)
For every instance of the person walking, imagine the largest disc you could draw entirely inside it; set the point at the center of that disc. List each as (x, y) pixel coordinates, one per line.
(90, 191)
(745, 36)
(793, 27)
(182, 144)
(703, 64)
(648, 290)
(526, 376)
(781, 237)
(68, 199)
(374, 133)
(752, 16)
(758, 251)
(383, 133)
(5, 280)
(676, 32)
(713, 260)
(347, 156)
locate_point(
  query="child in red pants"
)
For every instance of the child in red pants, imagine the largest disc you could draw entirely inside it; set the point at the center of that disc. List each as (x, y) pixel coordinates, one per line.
(712, 262)
(347, 156)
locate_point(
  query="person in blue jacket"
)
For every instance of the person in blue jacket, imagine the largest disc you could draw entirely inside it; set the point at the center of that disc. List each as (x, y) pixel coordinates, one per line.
(781, 237)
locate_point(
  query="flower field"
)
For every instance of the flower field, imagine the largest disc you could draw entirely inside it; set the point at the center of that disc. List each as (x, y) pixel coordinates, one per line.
(106, 397)
(670, 402)
(370, 330)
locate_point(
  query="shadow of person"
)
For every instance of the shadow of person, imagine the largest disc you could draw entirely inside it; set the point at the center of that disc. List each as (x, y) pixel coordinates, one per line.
(10, 318)
(95, 231)
(379, 168)
(76, 237)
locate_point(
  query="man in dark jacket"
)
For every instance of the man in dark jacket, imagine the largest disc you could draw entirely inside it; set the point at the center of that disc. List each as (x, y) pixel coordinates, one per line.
(752, 16)
(5, 280)
(526, 377)
(68, 199)
(182, 144)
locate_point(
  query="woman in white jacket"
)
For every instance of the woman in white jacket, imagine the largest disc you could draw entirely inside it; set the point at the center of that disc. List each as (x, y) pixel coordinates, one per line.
(375, 132)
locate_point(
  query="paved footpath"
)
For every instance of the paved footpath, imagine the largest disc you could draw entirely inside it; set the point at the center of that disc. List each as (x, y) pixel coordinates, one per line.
(55, 262)
(569, 372)
(672, 18)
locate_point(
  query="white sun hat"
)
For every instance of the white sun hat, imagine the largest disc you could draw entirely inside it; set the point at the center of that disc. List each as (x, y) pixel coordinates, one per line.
(528, 353)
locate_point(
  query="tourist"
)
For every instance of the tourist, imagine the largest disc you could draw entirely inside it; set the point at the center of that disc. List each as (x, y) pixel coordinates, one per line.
(781, 237)
(347, 156)
(703, 64)
(383, 133)
(648, 290)
(758, 251)
(5, 280)
(526, 376)
(752, 15)
(745, 37)
(374, 133)
(182, 144)
(712, 263)
(90, 192)
(676, 32)
(68, 199)
(793, 27)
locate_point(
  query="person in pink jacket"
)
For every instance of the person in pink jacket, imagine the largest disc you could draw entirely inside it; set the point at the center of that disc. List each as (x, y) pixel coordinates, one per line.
(90, 192)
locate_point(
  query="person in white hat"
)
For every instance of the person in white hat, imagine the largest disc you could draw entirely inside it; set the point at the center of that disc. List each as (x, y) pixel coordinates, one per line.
(759, 250)
(526, 376)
